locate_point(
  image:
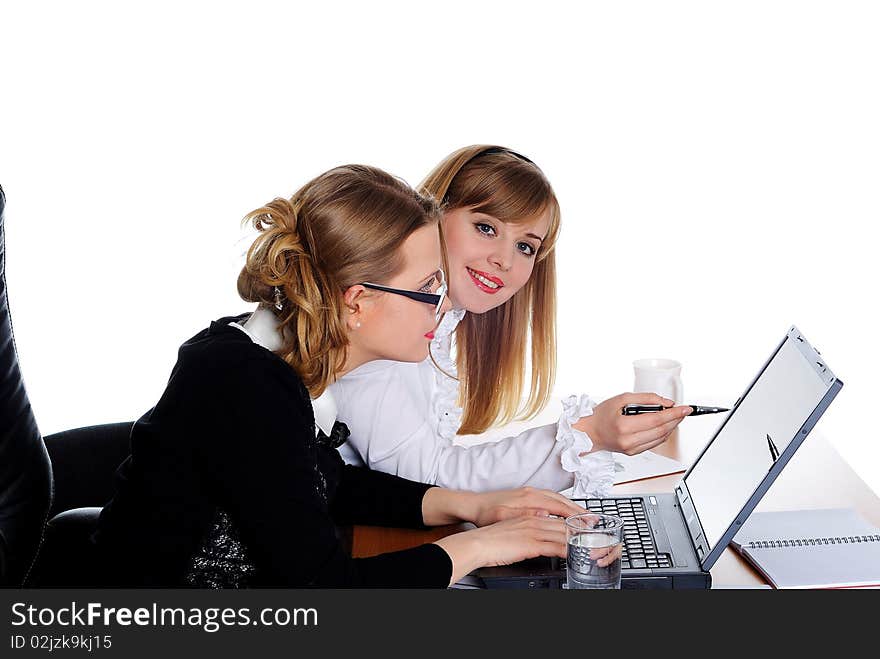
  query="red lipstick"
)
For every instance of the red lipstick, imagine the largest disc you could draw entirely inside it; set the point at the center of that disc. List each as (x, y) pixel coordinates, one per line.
(430, 335)
(482, 285)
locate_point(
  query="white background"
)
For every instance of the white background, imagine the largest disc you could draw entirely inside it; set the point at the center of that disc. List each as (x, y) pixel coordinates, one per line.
(717, 166)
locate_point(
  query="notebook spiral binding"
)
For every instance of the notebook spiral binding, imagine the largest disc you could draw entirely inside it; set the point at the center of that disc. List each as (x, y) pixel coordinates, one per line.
(812, 542)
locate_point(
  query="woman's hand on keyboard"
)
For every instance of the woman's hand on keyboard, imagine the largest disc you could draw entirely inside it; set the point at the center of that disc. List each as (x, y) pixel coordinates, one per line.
(503, 543)
(491, 507)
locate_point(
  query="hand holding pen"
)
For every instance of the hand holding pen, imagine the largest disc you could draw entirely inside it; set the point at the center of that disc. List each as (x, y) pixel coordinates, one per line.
(610, 430)
(698, 410)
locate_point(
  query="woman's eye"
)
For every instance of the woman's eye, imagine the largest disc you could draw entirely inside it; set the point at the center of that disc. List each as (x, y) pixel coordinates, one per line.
(428, 286)
(485, 229)
(526, 249)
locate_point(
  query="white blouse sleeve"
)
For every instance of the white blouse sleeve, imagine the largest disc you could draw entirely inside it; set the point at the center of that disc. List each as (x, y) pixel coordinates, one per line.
(402, 423)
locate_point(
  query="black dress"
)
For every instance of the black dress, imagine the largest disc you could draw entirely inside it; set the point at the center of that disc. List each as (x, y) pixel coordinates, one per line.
(227, 486)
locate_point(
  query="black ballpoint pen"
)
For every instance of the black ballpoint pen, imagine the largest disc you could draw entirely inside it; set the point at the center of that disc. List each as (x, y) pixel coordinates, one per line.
(698, 410)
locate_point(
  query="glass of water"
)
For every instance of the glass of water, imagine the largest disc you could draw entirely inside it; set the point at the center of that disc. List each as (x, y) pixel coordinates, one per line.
(594, 549)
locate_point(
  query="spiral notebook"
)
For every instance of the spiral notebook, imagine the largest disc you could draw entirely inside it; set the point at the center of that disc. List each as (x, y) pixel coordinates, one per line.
(822, 548)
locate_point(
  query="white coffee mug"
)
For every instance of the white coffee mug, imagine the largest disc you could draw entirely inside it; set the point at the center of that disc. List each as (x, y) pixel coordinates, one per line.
(659, 376)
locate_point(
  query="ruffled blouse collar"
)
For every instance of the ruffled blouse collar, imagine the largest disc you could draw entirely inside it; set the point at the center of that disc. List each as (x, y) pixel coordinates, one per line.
(448, 323)
(447, 412)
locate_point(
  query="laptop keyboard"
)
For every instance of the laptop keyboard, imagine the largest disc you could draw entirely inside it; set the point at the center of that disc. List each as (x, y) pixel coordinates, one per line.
(639, 551)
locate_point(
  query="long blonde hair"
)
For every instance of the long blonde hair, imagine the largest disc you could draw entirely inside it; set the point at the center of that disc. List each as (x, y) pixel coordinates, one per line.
(492, 373)
(342, 228)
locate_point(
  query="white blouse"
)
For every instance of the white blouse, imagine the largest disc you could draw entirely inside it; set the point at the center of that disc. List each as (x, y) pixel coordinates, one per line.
(403, 419)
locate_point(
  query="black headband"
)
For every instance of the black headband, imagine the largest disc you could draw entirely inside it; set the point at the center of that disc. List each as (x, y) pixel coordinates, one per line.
(500, 149)
(488, 152)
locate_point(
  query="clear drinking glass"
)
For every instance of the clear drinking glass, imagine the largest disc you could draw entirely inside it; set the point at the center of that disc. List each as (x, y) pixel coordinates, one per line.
(594, 549)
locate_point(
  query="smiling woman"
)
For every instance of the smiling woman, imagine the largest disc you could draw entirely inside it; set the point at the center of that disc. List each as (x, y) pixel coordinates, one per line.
(500, 210)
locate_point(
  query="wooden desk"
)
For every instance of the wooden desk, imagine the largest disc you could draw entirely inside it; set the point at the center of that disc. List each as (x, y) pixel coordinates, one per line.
(816, 477)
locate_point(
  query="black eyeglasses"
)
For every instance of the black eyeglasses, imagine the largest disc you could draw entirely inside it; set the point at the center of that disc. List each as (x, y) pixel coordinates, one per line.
(434, 299)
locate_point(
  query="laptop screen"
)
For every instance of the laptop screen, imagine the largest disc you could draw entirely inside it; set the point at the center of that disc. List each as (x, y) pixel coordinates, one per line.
(755, 433)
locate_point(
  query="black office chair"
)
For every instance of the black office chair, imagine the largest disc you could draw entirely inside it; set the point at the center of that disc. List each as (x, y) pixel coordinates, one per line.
(64, 478)
(25, 470)
(84, 463)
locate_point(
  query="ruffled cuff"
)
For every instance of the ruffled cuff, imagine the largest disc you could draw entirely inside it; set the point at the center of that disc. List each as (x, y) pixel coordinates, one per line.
(594, 472)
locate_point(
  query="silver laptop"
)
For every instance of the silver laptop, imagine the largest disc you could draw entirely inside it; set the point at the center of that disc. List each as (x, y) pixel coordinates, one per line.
(673, 540)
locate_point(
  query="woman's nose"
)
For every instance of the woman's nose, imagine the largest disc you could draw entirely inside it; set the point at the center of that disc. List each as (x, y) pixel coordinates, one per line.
(501, 260)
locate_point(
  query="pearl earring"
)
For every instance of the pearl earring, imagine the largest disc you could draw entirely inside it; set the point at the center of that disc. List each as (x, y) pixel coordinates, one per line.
(357, 324)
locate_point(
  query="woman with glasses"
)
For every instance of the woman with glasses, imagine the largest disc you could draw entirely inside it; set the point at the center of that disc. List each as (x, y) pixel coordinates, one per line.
(495, 348)
(234, 479)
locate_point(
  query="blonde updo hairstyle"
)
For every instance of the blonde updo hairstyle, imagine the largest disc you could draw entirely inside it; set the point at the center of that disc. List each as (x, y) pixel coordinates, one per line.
(492, 373)
(342, 228)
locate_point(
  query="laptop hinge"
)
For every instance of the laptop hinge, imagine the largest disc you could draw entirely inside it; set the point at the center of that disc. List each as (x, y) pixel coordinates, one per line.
(692, 521)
